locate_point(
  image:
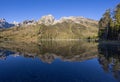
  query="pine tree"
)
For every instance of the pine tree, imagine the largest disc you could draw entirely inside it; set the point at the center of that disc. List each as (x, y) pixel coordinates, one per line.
(109, 28)
(117, 21)
(104, 25)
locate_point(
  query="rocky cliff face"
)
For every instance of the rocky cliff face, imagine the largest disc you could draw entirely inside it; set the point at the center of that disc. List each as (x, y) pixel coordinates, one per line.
(47, 20)
(50, 20)
(78, 20)
(4, 24)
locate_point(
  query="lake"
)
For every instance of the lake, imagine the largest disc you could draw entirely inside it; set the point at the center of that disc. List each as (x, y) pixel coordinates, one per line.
(59, 61)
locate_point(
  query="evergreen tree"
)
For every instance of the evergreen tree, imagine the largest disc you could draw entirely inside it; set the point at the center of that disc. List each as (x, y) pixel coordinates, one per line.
(109, 28)
(117, 21)
(104, 25)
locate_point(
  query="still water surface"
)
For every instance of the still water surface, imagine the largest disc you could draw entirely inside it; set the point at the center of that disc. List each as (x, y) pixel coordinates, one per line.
(60, 62)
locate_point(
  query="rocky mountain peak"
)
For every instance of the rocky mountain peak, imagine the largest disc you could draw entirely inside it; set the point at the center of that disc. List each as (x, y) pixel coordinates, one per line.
(47, 20)
(2, 20)
(5, 24)
(50, 20)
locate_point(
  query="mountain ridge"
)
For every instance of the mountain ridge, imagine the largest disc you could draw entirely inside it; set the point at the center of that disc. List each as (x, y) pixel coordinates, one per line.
(49, 20)
(50, 28)
(5, 24)
(52, 21)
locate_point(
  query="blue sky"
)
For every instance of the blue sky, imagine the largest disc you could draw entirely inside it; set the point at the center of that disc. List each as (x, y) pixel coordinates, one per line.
(19, 10)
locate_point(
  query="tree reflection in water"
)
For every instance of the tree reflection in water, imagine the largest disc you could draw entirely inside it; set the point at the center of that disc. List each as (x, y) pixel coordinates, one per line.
(109, 58)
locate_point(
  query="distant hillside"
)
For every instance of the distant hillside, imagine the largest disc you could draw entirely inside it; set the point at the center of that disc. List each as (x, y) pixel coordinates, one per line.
(5, 24)
(49, 28)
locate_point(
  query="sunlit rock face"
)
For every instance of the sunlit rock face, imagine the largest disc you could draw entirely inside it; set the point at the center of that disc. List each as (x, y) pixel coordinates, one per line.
(78, 20)
(5, 24)
(47, 20)
(50, 20)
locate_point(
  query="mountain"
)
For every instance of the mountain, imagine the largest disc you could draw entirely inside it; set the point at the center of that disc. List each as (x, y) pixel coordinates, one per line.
(4, 24)
(67, 27)
(47, 20)
(50, 28)
(50, 20)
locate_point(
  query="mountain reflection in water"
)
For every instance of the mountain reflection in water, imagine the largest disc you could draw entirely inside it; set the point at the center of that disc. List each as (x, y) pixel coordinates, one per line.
(91, 61)
(48, 51)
